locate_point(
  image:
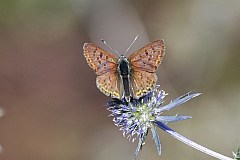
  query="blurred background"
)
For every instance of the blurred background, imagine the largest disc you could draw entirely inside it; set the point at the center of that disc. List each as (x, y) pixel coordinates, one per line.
(50, 107)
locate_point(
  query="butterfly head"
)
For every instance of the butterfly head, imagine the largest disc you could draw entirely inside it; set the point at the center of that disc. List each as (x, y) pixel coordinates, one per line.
(122, 58)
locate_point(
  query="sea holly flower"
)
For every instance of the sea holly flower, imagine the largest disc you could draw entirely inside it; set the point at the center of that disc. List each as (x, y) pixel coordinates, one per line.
(138, 117)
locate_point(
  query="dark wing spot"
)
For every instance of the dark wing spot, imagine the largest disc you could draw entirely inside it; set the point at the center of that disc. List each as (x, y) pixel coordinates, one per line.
(146, 52)
(101, 54)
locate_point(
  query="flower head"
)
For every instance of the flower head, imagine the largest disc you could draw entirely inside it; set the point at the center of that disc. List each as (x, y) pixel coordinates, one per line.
(139, 116)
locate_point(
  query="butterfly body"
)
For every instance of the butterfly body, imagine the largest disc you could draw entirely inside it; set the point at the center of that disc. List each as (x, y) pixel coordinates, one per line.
(122, 77)
(124, 74)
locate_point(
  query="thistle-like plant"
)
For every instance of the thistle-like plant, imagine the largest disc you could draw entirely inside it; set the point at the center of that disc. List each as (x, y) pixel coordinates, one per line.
(142, 115)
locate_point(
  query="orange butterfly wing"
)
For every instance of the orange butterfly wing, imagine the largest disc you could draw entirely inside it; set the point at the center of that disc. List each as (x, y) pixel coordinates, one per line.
(105, 66)
(108, 83)
(98, 59)
(142, 83)
(144, 64)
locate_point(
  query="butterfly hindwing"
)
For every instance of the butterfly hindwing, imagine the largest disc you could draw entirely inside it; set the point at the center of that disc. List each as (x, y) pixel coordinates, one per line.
(108, 83)
(98, 59)
(142, 82)
(149, 57)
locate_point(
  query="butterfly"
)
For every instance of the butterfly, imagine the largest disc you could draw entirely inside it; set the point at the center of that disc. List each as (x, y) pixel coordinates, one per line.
(122, 77)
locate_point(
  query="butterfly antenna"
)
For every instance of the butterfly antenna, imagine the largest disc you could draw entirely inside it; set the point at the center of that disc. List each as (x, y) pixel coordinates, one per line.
(110, 47)
(131, 44)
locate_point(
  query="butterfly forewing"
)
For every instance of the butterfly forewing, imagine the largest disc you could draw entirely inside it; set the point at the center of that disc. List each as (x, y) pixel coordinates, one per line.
(98, 59)
(149, 57)
(105, 66)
